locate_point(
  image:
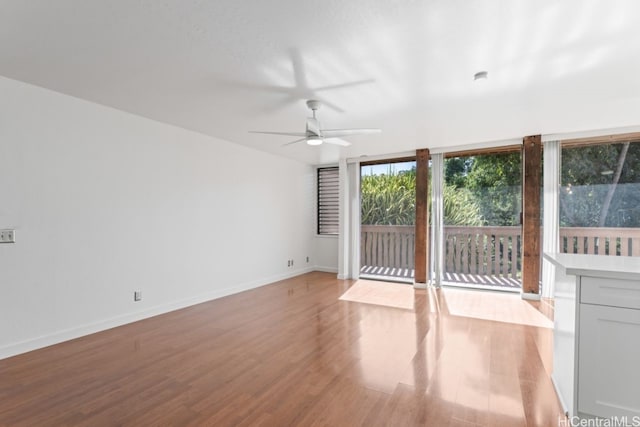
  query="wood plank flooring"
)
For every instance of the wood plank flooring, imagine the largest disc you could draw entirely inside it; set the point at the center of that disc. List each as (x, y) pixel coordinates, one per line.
(290, 353)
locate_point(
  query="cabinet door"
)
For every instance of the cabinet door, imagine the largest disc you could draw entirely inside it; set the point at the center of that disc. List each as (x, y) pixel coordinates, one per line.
(609, 361)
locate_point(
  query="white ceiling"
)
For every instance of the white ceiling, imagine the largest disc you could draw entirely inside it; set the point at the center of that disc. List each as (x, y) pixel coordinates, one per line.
(225, 67)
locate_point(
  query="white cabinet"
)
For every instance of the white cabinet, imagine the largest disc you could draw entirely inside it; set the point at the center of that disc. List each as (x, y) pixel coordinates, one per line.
(610, 292)
(608, 361)
(596, 368)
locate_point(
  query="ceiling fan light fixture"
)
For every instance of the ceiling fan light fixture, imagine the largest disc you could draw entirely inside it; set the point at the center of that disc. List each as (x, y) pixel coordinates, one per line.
(314, 140)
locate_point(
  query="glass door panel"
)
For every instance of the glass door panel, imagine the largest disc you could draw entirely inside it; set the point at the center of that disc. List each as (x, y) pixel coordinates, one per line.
(482, 226)
(387, 238)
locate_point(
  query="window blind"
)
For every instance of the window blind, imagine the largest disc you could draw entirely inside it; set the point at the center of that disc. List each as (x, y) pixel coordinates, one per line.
(328, 200)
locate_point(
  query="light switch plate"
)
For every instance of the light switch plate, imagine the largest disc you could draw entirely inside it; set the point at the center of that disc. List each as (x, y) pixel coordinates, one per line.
(7, 236)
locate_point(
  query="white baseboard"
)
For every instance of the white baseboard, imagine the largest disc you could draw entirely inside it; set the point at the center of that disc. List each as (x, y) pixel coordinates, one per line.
(91, 328)
(326, 269)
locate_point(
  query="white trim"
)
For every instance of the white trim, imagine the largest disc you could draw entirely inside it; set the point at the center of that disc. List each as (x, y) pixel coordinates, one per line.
(343, 222)
(102, 325)
(355, 214)
(376, 158)
(589, 133)
(326, 236)
(326, 165)
(530, 296)
(551, 217)
(559, 395)
(476, 146)
(349, 220)
(495, 144)
(437, 219)
(417, 285)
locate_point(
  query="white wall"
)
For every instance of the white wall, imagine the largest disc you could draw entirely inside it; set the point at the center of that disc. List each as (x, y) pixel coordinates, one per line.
(105, 203)
(326, 251)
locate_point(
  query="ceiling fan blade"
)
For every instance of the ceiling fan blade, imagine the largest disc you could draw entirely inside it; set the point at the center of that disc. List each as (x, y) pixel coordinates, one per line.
(280, 133)
(343, 85)
(337, 141)
(299, 70)
(333, 106)
(294, 142)
(331, 133)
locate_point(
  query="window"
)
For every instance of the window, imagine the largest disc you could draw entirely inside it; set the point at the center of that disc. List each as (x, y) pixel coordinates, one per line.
(600, 198)
(328, 201)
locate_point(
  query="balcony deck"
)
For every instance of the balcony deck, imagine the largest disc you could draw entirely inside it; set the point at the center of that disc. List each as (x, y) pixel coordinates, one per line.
(480, 257)
(471, 280)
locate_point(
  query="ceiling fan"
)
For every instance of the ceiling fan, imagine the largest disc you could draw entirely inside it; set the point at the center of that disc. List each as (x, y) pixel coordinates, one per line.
(315, 135)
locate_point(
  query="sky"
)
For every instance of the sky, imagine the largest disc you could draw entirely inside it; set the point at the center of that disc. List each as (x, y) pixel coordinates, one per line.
(384, 168)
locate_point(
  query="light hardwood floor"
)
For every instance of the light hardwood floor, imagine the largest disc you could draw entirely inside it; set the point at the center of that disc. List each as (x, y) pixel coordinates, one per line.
(294, 353)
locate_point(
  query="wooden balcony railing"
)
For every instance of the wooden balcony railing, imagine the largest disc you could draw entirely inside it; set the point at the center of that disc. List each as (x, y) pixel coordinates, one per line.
(387, 246)
(600, 241)
(487, 251)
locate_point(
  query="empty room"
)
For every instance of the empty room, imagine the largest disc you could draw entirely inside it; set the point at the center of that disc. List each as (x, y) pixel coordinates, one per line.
(296, 213)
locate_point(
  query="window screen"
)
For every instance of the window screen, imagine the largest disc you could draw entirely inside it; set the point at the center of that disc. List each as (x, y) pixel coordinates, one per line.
(328, 200)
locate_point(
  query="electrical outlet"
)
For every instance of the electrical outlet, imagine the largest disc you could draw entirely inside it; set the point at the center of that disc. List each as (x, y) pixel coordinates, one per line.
(288, 263)
(307, 259)
(291, 263)
(7, 236)
(137, 295)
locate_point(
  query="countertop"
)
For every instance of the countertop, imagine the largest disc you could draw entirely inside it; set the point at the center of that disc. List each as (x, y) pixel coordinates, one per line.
(617, 267)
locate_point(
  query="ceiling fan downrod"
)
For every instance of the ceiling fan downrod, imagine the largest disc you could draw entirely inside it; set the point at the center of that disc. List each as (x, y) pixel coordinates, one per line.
(314, 105)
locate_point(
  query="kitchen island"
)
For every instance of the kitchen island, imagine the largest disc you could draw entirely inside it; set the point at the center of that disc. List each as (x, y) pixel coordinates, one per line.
(596, 354)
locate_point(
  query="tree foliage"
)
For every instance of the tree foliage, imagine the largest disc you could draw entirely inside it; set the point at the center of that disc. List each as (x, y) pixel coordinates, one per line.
(460, 207)
(389, 199)
(600, 186)
(493, 182)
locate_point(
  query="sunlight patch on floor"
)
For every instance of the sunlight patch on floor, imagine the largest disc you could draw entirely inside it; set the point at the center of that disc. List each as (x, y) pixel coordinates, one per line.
(499, 307)
(381, 293)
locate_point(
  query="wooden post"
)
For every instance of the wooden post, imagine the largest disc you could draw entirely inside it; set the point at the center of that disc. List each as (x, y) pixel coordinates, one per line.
(422, 215)
(532, 161)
